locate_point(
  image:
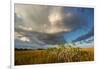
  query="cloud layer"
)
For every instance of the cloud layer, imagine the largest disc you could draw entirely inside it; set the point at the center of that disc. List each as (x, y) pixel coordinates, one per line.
(47, 19)
(41, 26)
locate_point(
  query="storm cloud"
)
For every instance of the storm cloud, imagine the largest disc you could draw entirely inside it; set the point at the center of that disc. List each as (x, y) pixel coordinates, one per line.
(40, 26)
(48, 19)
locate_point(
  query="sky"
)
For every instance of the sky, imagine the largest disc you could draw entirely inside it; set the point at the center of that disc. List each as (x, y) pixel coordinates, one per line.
(43, 26)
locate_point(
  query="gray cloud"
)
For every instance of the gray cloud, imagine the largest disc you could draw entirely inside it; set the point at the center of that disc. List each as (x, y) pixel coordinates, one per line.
(37, 25)
(48, 19)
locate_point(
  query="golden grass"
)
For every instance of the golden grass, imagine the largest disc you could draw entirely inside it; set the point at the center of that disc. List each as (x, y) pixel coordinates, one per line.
(53, 55)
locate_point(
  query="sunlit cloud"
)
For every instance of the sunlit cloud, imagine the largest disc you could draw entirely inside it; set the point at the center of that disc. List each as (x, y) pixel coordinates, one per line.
(25, 39)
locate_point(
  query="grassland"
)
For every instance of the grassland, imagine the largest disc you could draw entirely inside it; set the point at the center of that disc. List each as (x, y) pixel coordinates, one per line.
(53, 55)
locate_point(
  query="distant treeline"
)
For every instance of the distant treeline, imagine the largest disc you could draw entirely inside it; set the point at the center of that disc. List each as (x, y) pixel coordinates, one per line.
(24, 49)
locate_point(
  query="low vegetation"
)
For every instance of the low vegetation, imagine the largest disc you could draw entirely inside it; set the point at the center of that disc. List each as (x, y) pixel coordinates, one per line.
(53, 55)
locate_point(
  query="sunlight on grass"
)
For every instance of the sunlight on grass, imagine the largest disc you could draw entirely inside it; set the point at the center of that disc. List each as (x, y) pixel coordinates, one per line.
(53, 55)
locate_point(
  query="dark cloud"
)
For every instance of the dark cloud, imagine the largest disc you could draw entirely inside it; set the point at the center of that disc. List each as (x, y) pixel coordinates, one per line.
(75, 22)
(42, 38)
(83, 37)
(48, 19)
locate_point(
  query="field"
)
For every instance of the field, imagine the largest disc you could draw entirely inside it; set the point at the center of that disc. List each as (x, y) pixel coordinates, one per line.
(53, 55)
